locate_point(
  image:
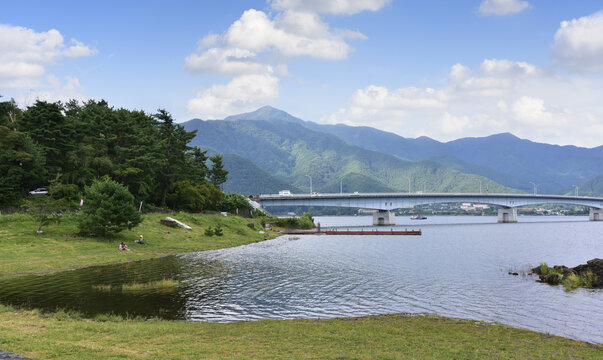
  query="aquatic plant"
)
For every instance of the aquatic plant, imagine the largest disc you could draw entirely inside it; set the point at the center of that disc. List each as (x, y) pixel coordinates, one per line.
(164, 285)
(585, 280)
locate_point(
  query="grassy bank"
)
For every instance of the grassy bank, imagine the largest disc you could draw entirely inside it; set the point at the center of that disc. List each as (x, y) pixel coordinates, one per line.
(392, 336)
(23, 251)
(68, 336)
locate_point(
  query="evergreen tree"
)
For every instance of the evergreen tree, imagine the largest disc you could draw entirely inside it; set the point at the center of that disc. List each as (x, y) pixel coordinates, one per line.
(175, 150)
(108, 209)
(217, 173)
(21, 165)
(45, 124)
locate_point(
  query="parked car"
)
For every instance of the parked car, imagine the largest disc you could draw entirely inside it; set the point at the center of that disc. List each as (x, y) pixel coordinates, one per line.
(39, 191)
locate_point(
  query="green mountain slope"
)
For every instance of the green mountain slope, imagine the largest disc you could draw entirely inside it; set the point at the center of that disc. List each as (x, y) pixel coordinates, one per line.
(246, 178)
(592, 187)
(290, 151)
(504, 158)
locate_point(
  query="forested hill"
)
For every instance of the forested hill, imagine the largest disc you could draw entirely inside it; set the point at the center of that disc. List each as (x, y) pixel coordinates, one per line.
(244, 177)
(592, 187)
(505, 158)
(291, 151)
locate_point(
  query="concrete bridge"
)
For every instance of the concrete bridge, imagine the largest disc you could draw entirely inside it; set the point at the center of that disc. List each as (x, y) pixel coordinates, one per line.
(384, 203)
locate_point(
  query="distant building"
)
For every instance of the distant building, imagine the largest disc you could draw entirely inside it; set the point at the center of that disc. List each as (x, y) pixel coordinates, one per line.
(472, 206)
(284, 192)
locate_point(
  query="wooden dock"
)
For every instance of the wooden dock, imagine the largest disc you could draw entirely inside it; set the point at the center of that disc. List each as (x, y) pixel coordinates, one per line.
(352, 232)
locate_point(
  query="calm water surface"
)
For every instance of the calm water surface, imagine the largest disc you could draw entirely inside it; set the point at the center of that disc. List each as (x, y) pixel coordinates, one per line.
(458, 267)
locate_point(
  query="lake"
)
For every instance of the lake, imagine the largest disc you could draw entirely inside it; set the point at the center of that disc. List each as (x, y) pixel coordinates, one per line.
(458, 267)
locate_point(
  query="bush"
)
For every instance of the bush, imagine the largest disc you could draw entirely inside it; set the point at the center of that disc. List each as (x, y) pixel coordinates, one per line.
(108, 209)
(209, 232)
(303, 222)
(232, 202)
(218, 231)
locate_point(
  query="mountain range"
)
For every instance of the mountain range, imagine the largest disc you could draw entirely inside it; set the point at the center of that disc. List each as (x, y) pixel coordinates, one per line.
(269, 150)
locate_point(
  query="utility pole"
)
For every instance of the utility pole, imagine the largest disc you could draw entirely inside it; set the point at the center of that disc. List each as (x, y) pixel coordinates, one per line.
(407, 178)
(310, 183)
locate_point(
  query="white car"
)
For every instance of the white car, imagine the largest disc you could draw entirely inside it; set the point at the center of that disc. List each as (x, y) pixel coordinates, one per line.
(39, 191)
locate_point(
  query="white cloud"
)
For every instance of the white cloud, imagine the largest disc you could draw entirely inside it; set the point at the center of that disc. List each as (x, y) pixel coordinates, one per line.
(25, 54)
(257, 47)
(502, 7)
(290, 34)
(348, 7)
(232, 61)
(52, 90)
(499, 96)
(579, 44)
(243, 93)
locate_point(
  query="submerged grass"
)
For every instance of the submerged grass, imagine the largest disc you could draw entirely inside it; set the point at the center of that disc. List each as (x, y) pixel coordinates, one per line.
(164, 286)
(385, 337)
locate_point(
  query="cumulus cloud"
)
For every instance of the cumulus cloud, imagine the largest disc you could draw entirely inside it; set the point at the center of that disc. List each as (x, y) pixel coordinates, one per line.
(233, 61)
(498, 96)
(25, 54)
(579, 44)
(502, 7)
(52, 90)
(258, 46)
(348, 7)
(242, 93)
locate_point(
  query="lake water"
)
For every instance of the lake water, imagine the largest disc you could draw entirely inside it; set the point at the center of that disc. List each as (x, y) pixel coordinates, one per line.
(458, 267)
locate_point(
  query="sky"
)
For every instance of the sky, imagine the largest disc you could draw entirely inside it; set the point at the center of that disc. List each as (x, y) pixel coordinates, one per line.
(437, 68)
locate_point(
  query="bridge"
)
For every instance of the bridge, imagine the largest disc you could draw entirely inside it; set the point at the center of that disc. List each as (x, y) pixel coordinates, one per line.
(384, 203)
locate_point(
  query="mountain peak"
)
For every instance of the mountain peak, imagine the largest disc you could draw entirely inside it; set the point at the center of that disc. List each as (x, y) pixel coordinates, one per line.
(267, 113)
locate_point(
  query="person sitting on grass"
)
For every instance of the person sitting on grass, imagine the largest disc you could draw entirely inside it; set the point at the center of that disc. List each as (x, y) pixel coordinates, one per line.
(140, 240)
(123, 246)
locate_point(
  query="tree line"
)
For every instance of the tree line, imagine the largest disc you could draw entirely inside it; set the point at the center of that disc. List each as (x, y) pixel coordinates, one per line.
(66, 147)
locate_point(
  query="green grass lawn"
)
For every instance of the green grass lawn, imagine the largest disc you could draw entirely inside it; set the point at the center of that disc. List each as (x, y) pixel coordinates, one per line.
(380, 337)
(23, 251)
(64, 336)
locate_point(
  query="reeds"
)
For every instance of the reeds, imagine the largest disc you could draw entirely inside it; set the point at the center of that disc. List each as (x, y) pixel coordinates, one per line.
(162, 286)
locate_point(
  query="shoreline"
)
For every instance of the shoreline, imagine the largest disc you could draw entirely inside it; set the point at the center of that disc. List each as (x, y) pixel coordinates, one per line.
(34, 334)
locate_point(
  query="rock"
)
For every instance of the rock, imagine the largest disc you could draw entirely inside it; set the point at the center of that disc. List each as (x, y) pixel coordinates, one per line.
(553, 279)
(595, 266)
(178, 223)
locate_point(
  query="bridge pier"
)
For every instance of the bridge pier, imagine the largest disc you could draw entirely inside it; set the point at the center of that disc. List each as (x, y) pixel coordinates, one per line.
(595, 214)
(507, 215)
(384, 217)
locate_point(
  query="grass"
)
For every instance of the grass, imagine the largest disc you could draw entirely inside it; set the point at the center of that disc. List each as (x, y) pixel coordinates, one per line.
(164, 286)
(66, 335)
(63, 336)
(22, 251)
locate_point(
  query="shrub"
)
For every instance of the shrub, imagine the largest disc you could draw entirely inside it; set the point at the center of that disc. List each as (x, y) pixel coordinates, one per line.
(209, 232)
(218, 231)
(108, 209)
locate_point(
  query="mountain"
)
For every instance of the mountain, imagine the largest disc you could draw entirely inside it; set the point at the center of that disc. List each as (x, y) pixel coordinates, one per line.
(266, 113)
(592, 187)
(246, 178)
(291, 151)
(504, 158)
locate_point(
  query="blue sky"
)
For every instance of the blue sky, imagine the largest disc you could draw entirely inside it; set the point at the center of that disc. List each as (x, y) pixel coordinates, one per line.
(444, 69)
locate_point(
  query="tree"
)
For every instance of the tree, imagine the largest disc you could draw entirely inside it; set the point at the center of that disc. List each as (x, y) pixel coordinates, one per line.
(174, 141)
(108, 209)
(21, 165)
(232, 202)
(217, 173)
(45, 123)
